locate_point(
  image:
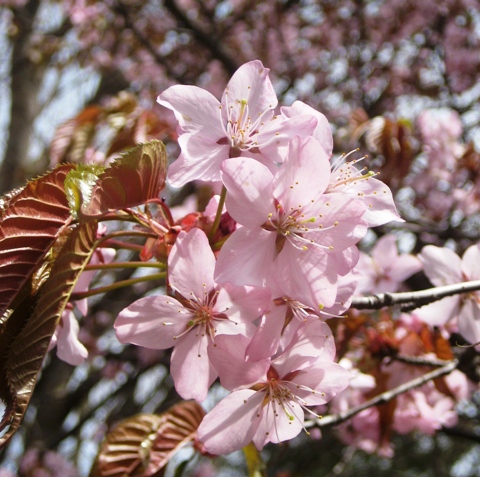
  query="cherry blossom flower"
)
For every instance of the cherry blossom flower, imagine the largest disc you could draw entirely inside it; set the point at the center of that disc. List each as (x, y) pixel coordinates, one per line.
(361, 184)
(243, 123)
(291, 229)
(199, 311)
(441, 130)
(363, 430)
(444, 267)
(385, 270)
(425, 409)
(41, 462)
(269, 403)
(286, 315)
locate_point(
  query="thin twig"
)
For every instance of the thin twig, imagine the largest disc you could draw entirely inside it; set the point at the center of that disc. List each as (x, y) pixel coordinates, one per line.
(132, 264)
(115, 285)
(207, 38)
(384, 397)
(421, 360)
(414, 299)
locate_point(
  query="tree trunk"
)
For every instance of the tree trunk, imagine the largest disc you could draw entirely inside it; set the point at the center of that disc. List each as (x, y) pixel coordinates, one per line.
(26, 77)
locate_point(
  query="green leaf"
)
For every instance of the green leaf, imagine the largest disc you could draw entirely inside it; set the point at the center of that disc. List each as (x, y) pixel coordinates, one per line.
(79, 185)
(29, 329)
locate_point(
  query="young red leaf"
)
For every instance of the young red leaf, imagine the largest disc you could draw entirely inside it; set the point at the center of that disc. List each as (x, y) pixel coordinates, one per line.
(133, 179)
(31, 221)
(29, 329)
(142, 445)
(73, 137)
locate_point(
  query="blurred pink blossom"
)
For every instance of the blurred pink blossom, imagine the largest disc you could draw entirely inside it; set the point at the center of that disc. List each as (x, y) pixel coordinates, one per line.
(385, 270)
(444, 267)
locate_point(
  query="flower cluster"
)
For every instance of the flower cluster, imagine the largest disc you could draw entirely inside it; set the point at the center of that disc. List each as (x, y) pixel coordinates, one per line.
(460, 312)
(251, 309)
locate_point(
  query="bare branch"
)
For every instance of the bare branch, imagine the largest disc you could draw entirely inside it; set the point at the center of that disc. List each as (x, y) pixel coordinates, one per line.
(420, 360)
(207, 38)
(383, 398)
(412, 300)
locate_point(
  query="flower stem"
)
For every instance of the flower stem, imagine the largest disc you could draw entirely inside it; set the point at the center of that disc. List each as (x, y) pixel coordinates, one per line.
(109, 239)
(216, 222)
(114, 286)
(107, 266)
(118, 244)
(125, 233)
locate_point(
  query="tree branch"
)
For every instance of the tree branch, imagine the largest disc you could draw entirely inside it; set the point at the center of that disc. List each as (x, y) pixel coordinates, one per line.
(209, 40)
(122, 10)
(412, 300)
(386, 396)
(420, 360)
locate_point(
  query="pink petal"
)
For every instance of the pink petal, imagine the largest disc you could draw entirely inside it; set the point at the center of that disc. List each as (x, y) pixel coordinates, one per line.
(327, 379)
(200, 159)
(275, 135)
(307, 275)
(315, 340)
(190, 366)
(469, 320)
(69, 348)
(304, 175)
(378, 199)
(471, 261)
(385, 251)
(404, 267)
(231, 424)
(152, 322)
(376, 196)
(267, 337)
(440, 312)
(277, 424)
(242, 304)
(246, 257)
(227, 355)
(195, 110)
(191, 264)
(441, 265)
(250, 83)
(249, 186)
(345, 261)
(228, 327)
(342, 222)
(366, 267)
(323, 131)
(346, 287)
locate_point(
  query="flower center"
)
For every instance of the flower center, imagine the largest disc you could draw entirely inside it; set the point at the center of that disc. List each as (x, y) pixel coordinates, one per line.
(204, 314)
(242, 128)
(346, 174)
(292, 226)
